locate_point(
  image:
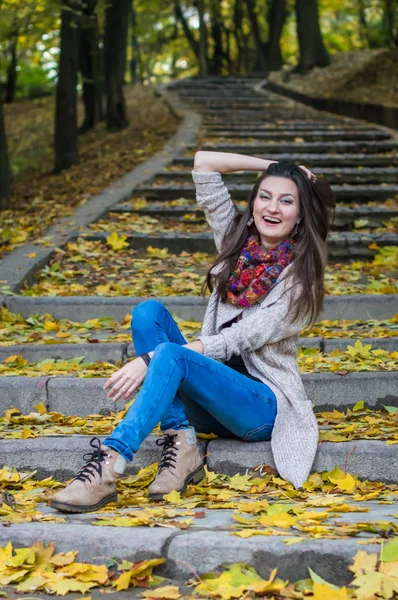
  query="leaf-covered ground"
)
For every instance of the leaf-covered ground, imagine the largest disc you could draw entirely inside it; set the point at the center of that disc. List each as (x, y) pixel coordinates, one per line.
(357, 76)
(91, 267)
(335, 426)
(192, 223)
(44, 329)
(330, 505)
(358, 357)
(39, 197)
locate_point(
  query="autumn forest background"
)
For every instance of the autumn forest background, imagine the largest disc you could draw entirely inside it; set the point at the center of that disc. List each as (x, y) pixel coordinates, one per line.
(77, 78)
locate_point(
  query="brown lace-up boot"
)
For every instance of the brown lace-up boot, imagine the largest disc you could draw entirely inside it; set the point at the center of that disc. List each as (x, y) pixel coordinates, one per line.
(95, 484)
(180, 463)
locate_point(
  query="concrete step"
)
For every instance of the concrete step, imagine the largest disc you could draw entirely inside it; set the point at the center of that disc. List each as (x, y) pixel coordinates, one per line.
(114, 351)
(231, 125)
(241, 191)
(279, 112)
(221, 107)
(189, 308)
(332, 159)
(308, 136)
(340, 245)
(332, 175)
(80, 396)
(345, 216)
(236, 102)
(207, 545)
(311, 147)
(61, 456)
(312, 120)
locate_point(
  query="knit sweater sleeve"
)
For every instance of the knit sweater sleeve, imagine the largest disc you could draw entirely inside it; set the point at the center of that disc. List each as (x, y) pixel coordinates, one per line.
(213, 197)
(272, 323)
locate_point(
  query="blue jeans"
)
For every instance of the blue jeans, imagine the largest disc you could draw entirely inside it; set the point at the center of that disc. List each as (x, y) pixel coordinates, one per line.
(182, 388)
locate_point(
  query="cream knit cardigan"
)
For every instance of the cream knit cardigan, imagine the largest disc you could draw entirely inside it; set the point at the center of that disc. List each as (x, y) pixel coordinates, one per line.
(266, 340)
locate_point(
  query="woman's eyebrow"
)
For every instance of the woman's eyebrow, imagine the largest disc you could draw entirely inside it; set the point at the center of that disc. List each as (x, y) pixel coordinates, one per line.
(268, 192)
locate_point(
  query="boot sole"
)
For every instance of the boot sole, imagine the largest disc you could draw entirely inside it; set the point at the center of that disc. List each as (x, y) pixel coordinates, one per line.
(194, 477)
(72, 508)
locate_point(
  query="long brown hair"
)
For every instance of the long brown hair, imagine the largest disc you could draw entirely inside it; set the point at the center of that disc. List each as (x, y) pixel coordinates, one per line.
(310, 253)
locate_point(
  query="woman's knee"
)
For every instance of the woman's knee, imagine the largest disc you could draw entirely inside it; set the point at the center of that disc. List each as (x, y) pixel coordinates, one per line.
(167, 350)
(145, 312)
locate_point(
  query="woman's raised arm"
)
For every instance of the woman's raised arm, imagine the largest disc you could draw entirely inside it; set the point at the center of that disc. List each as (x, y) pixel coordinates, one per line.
(226, 162)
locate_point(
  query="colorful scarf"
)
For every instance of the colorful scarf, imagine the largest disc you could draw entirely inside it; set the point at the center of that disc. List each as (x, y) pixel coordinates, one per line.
(256, 270)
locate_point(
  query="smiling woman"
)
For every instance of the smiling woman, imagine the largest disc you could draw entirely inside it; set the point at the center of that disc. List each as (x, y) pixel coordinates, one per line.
(240, 377)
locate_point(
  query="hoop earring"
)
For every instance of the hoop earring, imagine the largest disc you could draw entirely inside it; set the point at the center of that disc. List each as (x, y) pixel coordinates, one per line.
(250, 221)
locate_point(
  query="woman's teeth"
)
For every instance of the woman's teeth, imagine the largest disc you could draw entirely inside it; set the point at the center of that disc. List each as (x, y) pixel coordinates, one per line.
(271, 222)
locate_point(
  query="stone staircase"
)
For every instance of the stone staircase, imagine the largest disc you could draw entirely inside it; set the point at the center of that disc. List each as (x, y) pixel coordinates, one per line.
(238, 115)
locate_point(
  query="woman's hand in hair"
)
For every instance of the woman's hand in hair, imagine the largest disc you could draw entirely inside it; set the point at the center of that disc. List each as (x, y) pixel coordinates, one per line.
(309, 173)
(126, 380)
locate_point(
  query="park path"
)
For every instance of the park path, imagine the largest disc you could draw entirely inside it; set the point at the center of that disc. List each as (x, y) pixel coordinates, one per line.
(360, 161)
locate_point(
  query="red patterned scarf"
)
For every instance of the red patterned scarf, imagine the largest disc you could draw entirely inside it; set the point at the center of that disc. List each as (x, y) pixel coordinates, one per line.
(256, 270)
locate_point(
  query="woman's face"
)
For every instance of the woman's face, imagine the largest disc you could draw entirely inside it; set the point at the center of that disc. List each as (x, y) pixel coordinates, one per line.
(277, 197)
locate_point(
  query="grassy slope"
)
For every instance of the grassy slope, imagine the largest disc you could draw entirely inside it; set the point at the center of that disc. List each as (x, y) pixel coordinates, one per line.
(360, 76)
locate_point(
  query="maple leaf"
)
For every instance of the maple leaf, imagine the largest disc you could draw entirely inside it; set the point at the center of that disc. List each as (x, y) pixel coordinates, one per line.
(344, 481)
(239, 482)
(173, 497)
(372, 583)
(117, 242)
(363, 563)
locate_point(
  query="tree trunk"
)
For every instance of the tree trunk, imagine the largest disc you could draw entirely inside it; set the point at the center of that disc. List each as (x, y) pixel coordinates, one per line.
(12, 70)
(237, 30)
(227, 50)
(135, 70)
(66, 145)
(179, 14)
(203, 39)
(115, 47)
(261, 47)
(88, 65)
(313, 52)
(391, 9)
(216, 32)
(5, 172)
(363, 29)
(276, 18)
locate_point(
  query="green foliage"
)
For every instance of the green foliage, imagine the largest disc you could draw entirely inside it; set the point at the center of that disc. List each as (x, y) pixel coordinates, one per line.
(33, 26)
(34, 80)
(163, 49)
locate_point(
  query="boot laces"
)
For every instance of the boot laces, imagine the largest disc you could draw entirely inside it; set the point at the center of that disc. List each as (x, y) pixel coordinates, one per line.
(93, 462)
(168, 453)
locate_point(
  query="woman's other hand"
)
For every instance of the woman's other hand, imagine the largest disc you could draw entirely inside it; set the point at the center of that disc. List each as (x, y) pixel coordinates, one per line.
(309, 173)
(127, 379)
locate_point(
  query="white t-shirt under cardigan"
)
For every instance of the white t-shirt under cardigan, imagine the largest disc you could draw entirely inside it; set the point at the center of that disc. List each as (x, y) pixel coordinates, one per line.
(266, 339)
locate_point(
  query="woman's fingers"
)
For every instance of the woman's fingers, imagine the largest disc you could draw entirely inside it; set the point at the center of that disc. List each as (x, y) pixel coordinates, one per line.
(309, 173)
(119, 383)
(115, 377)
(120, 387)
(131, 390)
(124, 389)
(126, 378)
